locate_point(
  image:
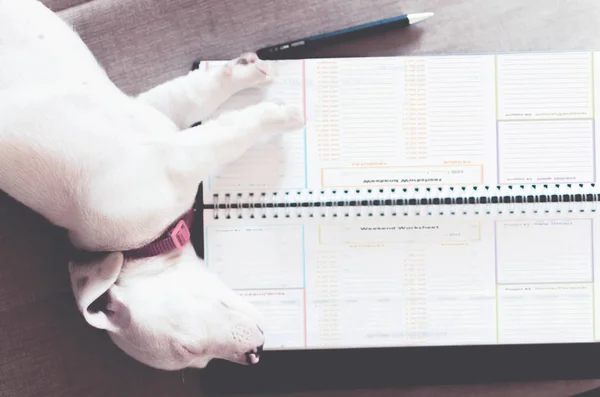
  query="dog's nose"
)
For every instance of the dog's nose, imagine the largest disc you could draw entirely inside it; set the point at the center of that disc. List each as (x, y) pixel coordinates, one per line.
(253, 356)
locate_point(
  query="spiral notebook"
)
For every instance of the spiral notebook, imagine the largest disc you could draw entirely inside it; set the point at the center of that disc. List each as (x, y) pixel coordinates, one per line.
(432, 200)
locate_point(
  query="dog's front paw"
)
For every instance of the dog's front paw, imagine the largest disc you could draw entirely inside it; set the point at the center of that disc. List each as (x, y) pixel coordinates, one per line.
(279, 117)
(248, 70)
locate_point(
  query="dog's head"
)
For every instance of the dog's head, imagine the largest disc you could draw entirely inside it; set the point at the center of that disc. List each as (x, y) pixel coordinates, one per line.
(168, 312)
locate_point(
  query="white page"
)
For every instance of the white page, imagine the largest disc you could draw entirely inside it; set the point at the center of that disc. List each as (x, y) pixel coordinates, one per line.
(546, 118)
(546, 313)
(431, 285)
(550, 151)
(418, 280)
(434, 121)
(278, 163)
(544, 86)
(400, 121)
(537, 251)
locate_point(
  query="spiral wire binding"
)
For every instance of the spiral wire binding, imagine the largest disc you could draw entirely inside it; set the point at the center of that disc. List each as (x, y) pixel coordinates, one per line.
(216, 206)
(476, 200)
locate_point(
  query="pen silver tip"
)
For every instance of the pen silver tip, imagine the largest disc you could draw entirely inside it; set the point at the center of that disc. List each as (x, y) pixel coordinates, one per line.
(415, 18)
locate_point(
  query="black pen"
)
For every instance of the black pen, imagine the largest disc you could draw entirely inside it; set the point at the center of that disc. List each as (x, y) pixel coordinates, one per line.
(296, 49)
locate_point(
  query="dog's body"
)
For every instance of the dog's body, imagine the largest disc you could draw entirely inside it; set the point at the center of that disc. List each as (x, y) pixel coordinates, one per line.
(116, 171)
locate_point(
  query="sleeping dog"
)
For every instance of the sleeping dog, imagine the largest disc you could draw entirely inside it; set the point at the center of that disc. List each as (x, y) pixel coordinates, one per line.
(120, 174)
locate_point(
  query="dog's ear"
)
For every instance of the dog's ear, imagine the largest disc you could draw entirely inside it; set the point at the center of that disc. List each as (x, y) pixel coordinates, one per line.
(91, 281)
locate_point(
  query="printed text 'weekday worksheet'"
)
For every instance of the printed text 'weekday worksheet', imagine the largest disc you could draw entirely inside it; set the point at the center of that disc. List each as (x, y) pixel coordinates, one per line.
(434, 121)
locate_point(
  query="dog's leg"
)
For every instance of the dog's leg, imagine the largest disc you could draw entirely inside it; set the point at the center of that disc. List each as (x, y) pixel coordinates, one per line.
(195, 153)
(192, 98)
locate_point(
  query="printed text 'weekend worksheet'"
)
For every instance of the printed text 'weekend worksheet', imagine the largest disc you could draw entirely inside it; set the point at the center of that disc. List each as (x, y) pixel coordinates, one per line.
(420, 281)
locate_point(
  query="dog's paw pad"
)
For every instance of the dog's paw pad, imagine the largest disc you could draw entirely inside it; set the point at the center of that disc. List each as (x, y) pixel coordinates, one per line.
(293, 115)
(249, 70)
(246, 59)
(286, 117)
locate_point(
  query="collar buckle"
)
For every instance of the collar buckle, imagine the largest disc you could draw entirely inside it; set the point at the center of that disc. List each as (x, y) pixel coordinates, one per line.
(180, 235)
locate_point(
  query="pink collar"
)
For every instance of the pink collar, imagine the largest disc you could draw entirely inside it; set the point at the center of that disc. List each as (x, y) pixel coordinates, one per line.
(176, 237)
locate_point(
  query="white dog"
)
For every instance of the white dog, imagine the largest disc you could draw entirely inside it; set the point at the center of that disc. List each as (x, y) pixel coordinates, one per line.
(121, 174)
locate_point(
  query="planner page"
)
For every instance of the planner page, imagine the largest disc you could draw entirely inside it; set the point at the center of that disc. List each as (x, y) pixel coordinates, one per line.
(430, 121)
(347, 282)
